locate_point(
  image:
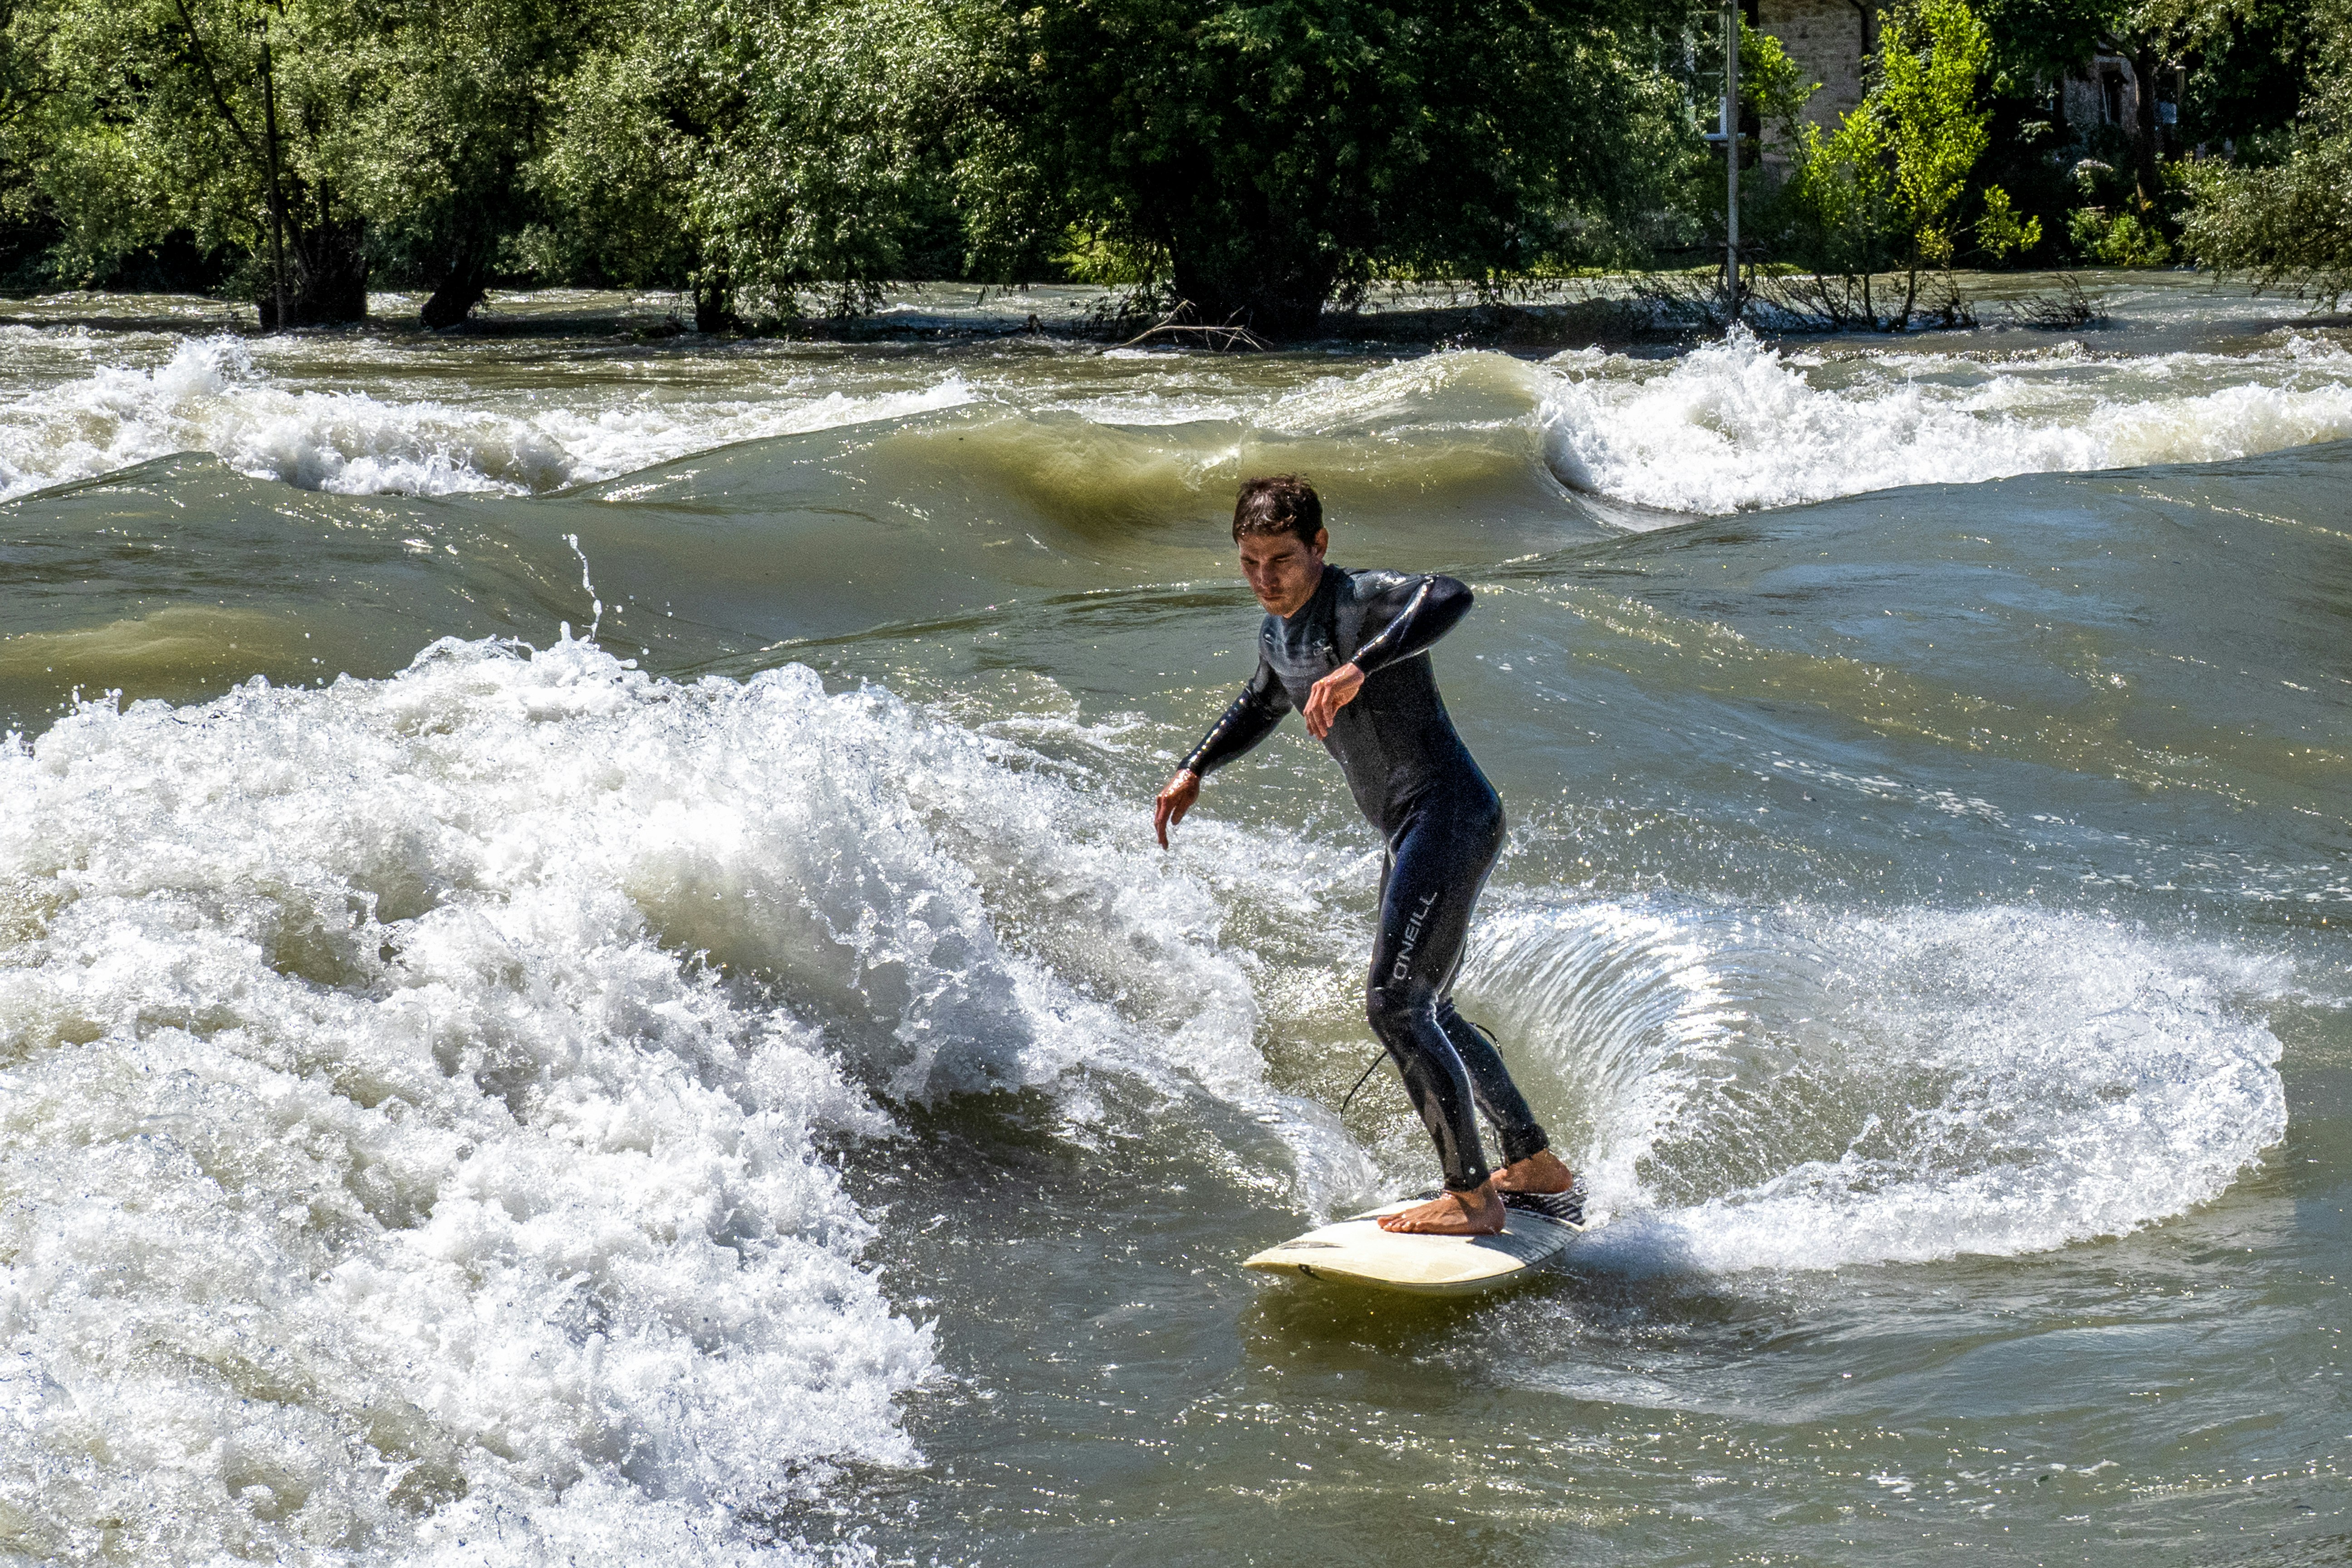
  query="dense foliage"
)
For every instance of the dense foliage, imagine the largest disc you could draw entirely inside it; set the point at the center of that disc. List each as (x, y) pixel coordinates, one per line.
(759, 151)
(2230, 78)
(2289, 221)
(1248, 161)
(1274, 152)
(1888, 178)
(300, 141)
(779, 156)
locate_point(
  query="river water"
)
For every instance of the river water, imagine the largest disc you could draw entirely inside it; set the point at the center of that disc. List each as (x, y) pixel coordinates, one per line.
(583, 976)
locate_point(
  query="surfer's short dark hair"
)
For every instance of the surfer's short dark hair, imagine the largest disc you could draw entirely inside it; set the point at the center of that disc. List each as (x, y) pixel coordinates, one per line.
(1280, 503)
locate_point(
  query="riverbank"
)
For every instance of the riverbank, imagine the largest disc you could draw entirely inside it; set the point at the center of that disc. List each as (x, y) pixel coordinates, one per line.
(1622, 309)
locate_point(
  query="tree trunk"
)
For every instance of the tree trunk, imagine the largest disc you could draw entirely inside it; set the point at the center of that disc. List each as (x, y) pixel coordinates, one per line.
(1248, 286)
(711, 312)
(328, 286)
(453, 299)
(277, 186)
(2150, 178)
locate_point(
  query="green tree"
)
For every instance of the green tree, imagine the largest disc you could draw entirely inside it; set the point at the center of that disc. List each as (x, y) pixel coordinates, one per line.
(212, 118)
(1931, 55)
(318, 138)
(1276, 155)
(778, 153)
(1841, 195)
(612, 179)
(831, 154)
(1884, 187)
(2289, 224)
(435, 153)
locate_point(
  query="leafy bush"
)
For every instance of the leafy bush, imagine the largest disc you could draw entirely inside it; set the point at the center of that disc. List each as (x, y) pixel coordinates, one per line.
(1884, 188)
(2289, 224)
(2001, 231)
(2120, 240)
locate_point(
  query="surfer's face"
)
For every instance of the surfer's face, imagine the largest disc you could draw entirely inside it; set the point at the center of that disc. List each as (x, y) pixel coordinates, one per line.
(1281, 570)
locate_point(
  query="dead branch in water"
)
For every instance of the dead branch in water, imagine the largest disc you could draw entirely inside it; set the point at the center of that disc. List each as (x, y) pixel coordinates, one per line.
(1799, 302)
(1220, 337)
(2064, 310)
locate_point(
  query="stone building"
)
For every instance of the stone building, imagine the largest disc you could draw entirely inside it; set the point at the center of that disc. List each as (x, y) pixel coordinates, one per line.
(1828, 39)
(2102, 90)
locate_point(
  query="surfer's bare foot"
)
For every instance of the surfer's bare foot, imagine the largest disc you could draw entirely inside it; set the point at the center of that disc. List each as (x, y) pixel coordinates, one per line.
(1541, 1172)
(1452, 1213)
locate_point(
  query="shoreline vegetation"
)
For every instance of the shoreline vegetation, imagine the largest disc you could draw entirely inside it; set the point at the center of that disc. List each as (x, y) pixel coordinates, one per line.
(1226, 175)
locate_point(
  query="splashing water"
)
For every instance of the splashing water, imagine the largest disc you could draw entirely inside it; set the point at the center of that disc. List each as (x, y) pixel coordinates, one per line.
(211, 396)
(415, 1091)
(1998, 1081)
(1739, 423)
(595, 605)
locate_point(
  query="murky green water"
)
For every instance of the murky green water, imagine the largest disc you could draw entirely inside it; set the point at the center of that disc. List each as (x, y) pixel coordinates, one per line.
(749, 1087)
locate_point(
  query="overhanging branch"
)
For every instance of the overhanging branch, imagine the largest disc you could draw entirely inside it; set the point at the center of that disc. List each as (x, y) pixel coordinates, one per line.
(211, 83)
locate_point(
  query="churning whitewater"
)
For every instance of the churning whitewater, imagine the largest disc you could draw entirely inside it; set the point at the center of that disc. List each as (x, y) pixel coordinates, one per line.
(420, 1089)
(447, 1060)
(213, 394)
(1728, 426)
(1737, 424)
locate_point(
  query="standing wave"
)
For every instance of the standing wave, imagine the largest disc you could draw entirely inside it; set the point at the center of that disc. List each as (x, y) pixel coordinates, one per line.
(211, 397)
(418, 1095)
(1738, 424)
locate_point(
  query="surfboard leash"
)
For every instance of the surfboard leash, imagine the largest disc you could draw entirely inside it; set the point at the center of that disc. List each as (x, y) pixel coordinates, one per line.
(1381, 1055)
(1378, 1057)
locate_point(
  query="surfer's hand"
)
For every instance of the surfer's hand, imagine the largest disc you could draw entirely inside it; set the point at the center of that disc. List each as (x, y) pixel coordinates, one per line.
(1331, 693)
(1173, 803)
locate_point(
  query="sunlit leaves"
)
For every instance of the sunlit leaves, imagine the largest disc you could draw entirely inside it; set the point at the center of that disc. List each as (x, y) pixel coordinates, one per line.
(1886, 184)
(2290, 224)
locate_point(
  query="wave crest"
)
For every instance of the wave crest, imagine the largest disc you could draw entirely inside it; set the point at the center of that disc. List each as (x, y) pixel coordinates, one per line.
(212, 396)
(1739, 423)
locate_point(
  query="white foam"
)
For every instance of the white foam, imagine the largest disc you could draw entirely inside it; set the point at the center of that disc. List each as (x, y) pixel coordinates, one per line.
(1729, 425)
(211, 396)
(1793, 1090)
(410, 1094)
(1737, 424)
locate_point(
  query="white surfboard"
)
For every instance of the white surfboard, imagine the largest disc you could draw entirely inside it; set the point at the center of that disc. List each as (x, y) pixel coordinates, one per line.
(1356, 1251)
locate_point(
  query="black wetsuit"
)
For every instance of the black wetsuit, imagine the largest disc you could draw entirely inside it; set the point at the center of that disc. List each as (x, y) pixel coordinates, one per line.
(1412, 777)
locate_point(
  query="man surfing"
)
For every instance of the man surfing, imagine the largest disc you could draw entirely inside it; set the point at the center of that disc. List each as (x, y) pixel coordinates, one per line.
(1347, 649)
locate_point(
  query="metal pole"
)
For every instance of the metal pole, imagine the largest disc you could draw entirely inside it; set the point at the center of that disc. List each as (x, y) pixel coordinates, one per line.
(1731, 155)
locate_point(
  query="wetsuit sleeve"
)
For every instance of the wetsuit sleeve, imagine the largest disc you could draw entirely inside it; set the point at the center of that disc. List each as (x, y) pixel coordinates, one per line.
(1409, 616)
(1249, 719)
